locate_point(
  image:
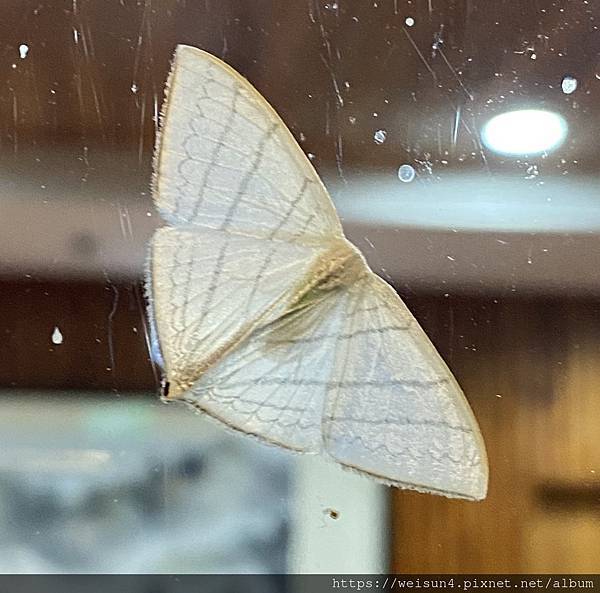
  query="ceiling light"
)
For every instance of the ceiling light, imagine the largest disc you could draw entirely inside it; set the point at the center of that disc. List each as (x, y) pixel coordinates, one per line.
(525, 132)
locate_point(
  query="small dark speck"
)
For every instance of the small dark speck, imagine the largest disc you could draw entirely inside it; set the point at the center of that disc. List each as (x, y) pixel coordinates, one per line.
(332, 514)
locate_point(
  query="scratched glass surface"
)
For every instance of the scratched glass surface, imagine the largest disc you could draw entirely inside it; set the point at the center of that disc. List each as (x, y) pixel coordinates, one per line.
(458, 141)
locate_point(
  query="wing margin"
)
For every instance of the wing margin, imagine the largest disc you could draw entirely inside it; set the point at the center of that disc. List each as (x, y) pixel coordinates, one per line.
(248, 177)
(394, 410)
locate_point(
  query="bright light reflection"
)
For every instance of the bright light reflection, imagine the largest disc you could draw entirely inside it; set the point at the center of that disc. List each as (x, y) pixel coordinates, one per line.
(525, 132)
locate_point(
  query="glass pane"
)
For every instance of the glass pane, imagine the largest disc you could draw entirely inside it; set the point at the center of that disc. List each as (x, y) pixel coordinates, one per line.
(488, 229)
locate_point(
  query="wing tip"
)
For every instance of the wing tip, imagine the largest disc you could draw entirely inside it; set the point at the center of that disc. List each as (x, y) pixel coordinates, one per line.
(181, 50)
(479, 490)
(185, 52)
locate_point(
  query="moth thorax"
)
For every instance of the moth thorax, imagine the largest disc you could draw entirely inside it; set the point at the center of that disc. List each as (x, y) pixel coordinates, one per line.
(341, 266)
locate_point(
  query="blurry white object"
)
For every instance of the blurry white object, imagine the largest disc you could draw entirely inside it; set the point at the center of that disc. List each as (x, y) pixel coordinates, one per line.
(23, 560)
(340, 522)
(406, 173)
(57, 337)
(569, 85)
(525, 132)
(96, 483)
(491, 225)
(270, 320)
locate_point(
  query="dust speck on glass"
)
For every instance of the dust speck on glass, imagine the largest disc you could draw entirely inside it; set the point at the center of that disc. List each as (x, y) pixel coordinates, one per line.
(380, 136)
(458, 142)
(569, 85)
(406, 173)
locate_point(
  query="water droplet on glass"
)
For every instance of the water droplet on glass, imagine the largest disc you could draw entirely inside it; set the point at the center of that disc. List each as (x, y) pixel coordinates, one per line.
(406, 173)
(23, 51)
(569, 85)
(409, 21)
(57, 337)
(380, 136)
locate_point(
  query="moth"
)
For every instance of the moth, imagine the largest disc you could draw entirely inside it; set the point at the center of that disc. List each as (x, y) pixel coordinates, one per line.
(269, 320)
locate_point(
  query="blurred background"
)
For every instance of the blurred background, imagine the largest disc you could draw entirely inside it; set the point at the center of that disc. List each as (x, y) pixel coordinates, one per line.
(488, 228)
